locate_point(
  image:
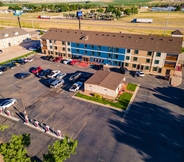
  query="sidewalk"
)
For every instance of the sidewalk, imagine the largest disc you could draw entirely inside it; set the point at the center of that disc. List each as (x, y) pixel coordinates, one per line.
(176, 79)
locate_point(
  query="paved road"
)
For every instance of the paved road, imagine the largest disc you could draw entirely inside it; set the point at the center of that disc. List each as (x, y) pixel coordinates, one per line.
(151, 131)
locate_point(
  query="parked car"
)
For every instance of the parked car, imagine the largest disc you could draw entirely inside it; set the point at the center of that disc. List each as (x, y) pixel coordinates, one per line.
(28, 59)
(124, 70)
(44, 73)
(53, 73)
(57, 59)
(23, 75)
(60, 76)
(3, 68)
(32, 48)
(36, 70)
(7, 103)
(57, 83)
(15, 63)
(85, 77)
(75, 77)
(139, 73)
(49, 81)
(97, 67)
(76, 86)
(66, 61)
(10, 65)
(73, 62)
(51, 58)
(1, 72)
(21, 61)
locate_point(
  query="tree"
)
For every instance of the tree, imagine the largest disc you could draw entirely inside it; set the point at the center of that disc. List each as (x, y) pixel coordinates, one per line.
(15, 150)
(3, 127)
(61, 150)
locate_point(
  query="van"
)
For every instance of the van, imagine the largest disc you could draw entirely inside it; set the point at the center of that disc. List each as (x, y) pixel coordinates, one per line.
(57, 83)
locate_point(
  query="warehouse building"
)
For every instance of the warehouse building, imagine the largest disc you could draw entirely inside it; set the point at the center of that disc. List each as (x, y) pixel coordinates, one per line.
(152, 54)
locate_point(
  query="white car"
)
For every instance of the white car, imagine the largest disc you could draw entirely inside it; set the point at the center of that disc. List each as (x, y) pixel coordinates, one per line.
(1, 72)
(7, 103)
(28, 59)
(53, 73)
(60, 76)
(76, 86)
(66, 61)
(139, 73)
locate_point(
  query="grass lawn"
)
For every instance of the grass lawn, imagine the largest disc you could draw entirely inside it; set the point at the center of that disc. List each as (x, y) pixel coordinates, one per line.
(122, 102)
(131, 87)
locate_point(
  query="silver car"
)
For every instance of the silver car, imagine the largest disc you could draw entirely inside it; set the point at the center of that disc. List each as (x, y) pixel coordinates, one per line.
(7, 103)
(57, 83)
(60, 76)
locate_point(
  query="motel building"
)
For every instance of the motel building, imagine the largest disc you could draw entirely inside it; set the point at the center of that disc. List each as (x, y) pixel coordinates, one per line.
(152, 54)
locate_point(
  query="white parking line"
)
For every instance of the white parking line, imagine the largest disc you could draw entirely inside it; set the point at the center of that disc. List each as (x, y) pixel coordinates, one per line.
(148, 77)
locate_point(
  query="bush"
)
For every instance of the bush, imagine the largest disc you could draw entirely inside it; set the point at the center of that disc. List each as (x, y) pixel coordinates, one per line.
(97, 96)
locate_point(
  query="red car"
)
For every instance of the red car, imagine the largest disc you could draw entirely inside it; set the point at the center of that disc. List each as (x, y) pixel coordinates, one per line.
(57, 59)
(73, 62)
(36, 70)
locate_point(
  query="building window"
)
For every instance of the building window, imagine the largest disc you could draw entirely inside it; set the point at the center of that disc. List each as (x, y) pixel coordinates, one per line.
(85, 52)
(109, 48)
(63, 48)
(98, 47)
(146, 67)
(50, 41)
(55, 47)
(64, 54)
(69, 55)
(85, 45)
(126, 64)
(68, 43)
(55, 53)
(109, 55)
(155, 68)
(51, 52)
(98, 53)
(147, 60)
(135, 59)
(77, 45)
(158, 54)
(128, 50)
(77, 51)
(136, 51)
(149, 53)
(159, 70)
(115, 56)
(63, 43)
(68, 49)
(92, 53)
(115, 62)
(133, 65)
(50, 47)
(156, 61)
(116, 49)
(127, 57)
(92, 46)
(54, 41)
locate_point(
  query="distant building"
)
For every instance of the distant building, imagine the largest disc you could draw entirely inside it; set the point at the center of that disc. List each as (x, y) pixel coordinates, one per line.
(13, 36)
(157, 55)
(107, 84)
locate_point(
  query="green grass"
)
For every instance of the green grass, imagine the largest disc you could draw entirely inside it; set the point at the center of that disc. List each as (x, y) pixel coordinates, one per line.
(131, 87)
(122, 102)
(26, 55)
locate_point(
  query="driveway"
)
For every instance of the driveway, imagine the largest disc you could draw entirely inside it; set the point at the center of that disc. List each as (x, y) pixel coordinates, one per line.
(151, 131)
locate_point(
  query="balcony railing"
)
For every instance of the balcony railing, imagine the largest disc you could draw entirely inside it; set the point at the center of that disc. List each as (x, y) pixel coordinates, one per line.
(44, 42)
(169, 65)
(44, 47)
(171, 58)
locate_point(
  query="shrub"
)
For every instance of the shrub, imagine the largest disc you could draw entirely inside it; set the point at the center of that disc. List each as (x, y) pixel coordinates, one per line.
(97, 96)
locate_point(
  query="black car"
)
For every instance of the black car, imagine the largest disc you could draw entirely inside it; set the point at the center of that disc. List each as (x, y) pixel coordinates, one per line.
(3, 68)
(49, 81)
(124, 70)
(20, 61)
(51, 58)
(22, 75)
(44, 73)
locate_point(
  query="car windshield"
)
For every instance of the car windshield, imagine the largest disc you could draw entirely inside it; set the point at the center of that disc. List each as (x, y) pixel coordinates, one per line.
(74, 86)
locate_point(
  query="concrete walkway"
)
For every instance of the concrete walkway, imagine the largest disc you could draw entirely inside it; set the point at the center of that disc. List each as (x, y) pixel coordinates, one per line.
(176, 79)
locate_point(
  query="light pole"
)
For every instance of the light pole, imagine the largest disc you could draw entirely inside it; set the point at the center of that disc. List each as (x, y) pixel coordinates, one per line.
(22, 99)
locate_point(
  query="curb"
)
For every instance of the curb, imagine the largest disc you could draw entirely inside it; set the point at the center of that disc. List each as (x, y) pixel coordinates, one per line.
(132, 99)
(9, 117)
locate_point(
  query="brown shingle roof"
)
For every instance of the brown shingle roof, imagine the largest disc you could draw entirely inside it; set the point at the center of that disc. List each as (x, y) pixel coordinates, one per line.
(177, 32)
(11, 32)
(110, 80)
(120, 40)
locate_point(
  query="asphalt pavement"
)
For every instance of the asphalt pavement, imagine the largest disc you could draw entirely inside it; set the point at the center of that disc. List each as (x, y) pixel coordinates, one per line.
(151, 131)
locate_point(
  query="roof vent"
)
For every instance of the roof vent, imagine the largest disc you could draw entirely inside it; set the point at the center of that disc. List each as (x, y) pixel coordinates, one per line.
(140, 37)
(113, 35)
(85, 37)
(75, 32)
(61, 31)
(129, 37)
(56, 30)
(16, 33)
(96, 34)
(122, 36)
(107, 34)
(68, 31)
(102, 34)
(161, 39)
(152, 38)
(171, 40)
(6, 35)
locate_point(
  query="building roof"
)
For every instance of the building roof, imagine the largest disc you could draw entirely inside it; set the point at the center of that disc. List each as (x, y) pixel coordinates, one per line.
(166, 44)
(11, 32)
(109, 80)
(177, 32)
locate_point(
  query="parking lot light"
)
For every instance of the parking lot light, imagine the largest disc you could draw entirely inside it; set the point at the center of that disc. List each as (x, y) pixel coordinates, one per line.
(22, 99)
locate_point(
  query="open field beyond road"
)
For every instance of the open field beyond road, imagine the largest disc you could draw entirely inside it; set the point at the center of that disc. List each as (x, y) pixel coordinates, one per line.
(30, 20)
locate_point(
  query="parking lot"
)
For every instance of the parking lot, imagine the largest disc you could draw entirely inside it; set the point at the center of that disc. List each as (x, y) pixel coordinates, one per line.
(143, 134)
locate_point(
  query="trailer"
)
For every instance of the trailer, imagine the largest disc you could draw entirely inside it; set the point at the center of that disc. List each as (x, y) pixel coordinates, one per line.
(43, 17)
(142, 20)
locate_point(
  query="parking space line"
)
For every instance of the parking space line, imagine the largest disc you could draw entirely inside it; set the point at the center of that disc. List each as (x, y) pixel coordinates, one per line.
(80, 130)
(69, 125)
(58, 121)
(148, 77)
